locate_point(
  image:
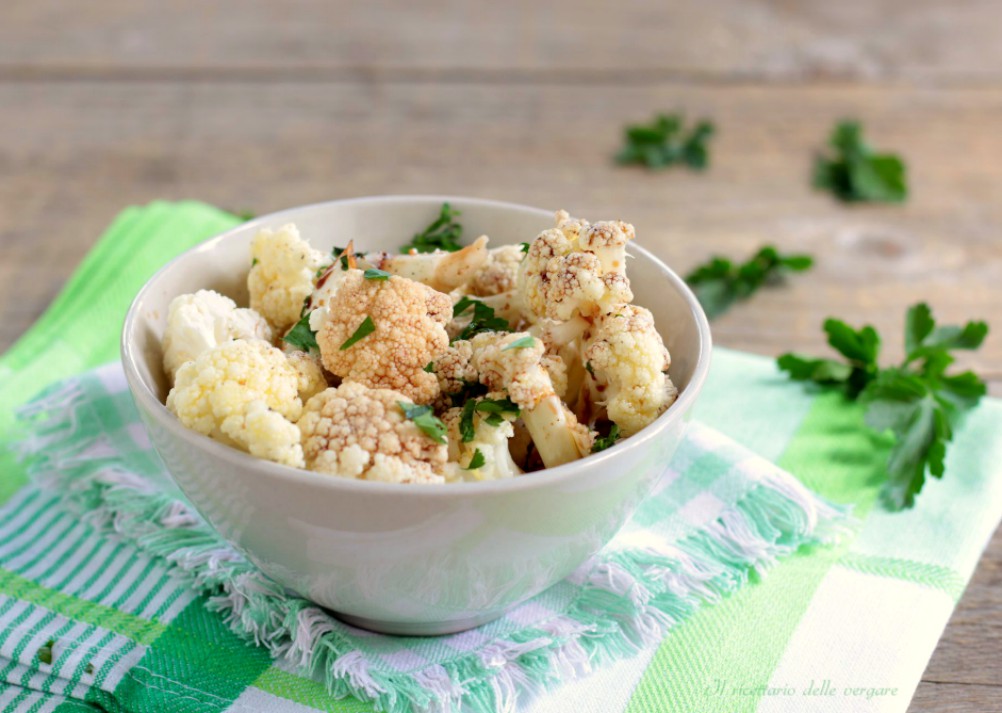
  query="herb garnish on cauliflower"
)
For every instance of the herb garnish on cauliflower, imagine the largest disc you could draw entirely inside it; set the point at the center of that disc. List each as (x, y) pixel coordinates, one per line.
(446, 363)
(357, 432)
(408, 330)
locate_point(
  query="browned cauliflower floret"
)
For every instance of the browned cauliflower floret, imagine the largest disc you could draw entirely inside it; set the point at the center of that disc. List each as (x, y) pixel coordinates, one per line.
(281, 277)
(630, 363)
(575, 269)
(245, 394)
(357, 432)
(499, 273)
(407, 321)
(454, 368)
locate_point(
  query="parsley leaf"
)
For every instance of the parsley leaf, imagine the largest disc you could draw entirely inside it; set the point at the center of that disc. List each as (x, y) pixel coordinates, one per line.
(469, 390)
(855, 173)
(425, 419)
(719, 283)
(301, 336)
(525, 248)
(44, 654)
(603, 442)
(483, 319)
(495, 410)
(523, 343)
(664, 143)
(477, 461)
(467, 430)
(366, 328)
(429, 367)
(917, 402)
(442, 234)
(374, 274)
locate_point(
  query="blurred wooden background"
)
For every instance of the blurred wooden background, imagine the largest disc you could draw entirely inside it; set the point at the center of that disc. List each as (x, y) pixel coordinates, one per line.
(256, 105)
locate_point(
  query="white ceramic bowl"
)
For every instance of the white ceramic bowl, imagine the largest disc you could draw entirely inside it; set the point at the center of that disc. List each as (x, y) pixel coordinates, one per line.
(404, 558)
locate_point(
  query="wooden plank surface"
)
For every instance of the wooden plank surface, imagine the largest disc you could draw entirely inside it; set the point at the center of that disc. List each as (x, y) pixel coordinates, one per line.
(255, 108)
(927, 40)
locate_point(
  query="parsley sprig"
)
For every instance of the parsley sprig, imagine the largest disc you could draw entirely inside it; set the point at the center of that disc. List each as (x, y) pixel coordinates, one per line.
(855, 173)
(425, 419)
(917, 401)
(719, 283)
(664, 143)
(443, 233)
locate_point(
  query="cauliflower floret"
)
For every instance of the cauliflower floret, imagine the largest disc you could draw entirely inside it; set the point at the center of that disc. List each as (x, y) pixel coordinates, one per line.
(357, 432)
(504, 362)
(499, 272)
(310, 373)
(562, 341)
(408, 320)
(200, 321)
(282, 274)
(630, 366)
(243, 393)
(490, 440)
(440, 270)
(454, 368)
(575, 269)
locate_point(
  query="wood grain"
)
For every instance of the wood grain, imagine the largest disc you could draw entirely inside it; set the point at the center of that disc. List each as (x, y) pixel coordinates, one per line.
(927, 40)
(242, 145)
(258, 105)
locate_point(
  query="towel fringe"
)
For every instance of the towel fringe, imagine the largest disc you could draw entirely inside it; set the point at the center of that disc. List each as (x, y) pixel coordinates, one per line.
(627, 599)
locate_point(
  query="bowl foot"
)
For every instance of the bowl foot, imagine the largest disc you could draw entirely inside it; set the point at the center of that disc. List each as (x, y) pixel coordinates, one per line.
(408, 628)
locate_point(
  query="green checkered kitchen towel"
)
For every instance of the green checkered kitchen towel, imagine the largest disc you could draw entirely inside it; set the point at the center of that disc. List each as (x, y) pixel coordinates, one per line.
(856, 622)
(102, 529)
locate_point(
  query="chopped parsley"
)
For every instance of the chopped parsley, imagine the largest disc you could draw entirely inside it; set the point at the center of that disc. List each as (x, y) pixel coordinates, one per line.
(855, 173)
(603, 442)
(477, 461)
(301, 336)
(430, 367)
(589, 368)
(483, 319)
(664, 143)
(366, 328)
(254, 262)
(466, 428)
(916, 402)
(442, 234)
(523, 343)
(719, 283)
(45, 651)
(469, 390)
(495, 410)
(525, 248)
(425, 419)
(374, 274)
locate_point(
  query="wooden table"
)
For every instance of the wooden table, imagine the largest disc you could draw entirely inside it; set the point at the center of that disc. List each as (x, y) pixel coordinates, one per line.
(261, 105)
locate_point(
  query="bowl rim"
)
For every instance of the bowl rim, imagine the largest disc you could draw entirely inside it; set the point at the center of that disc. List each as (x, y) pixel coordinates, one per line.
(151, 404)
